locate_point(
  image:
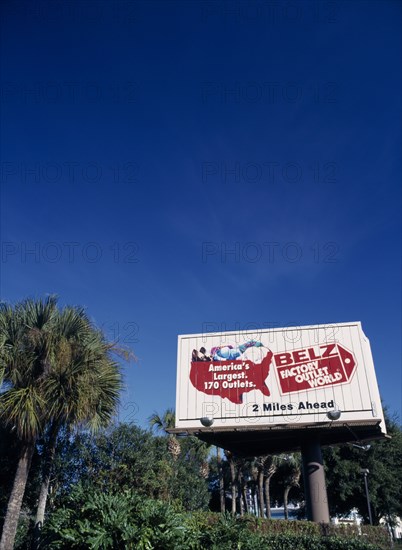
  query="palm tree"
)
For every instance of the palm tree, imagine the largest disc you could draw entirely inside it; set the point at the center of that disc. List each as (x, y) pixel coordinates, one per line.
(291, 478)
(58, 372)
(82, 388)
(270, 467)
(232, 465)
(254, 484)
(221, 480)
(259, 464)
(25, 344)
(163, 424)
(242, 465)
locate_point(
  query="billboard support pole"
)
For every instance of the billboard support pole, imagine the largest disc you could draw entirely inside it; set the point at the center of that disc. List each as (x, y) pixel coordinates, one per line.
(314, 482)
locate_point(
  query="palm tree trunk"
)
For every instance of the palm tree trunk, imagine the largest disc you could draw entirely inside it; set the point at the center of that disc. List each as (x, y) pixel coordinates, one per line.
(261, 492)
(244, 495)
(233, 484)
(241, 503)
(48, 459)
(15, 500)
(239, 491)
(221, 481)
(267, 484)
(285, 501)
(254, 499)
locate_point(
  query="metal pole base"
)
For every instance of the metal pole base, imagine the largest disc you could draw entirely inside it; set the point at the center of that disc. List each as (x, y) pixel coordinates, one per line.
(314, 482)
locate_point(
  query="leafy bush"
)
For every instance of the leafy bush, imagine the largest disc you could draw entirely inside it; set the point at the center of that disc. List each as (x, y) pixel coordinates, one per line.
(22, 535)
(115, 520)
(96, 520)
(111, 520)
(377, 535)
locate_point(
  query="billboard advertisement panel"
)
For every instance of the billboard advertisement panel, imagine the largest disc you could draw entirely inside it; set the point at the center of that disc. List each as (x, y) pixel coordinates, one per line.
(277, 377)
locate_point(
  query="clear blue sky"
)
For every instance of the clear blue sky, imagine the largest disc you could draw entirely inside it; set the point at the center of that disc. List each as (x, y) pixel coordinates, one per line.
(176, 166)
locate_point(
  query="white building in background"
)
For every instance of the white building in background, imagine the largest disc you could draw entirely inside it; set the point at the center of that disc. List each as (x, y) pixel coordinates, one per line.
(354, 519)
(396, 530)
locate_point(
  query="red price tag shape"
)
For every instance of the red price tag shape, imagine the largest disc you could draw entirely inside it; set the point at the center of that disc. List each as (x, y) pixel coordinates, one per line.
(314, 368)
(231, 379)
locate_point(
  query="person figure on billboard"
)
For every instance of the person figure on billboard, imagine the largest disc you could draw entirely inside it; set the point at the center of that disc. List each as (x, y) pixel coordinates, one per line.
(228, 353)
(200, 355)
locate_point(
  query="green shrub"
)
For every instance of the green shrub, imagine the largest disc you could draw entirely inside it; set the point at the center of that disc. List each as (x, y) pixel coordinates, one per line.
(107, 520)
(377, 535)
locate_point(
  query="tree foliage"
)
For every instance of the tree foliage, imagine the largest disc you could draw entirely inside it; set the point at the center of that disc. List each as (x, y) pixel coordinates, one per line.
(127, 457)
(345, 481)
(56, 370)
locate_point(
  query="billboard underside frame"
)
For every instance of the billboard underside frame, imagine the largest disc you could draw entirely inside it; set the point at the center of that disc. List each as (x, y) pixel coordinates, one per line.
(260, 440)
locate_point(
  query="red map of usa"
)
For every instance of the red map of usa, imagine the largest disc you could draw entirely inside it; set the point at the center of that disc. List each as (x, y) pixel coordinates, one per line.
(231, 379)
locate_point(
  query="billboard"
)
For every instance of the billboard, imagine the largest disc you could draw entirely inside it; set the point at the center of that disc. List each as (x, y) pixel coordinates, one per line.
(277, 378)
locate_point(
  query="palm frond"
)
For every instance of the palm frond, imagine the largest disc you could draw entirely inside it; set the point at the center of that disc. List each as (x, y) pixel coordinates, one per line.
(22, 410)
(57, 367)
